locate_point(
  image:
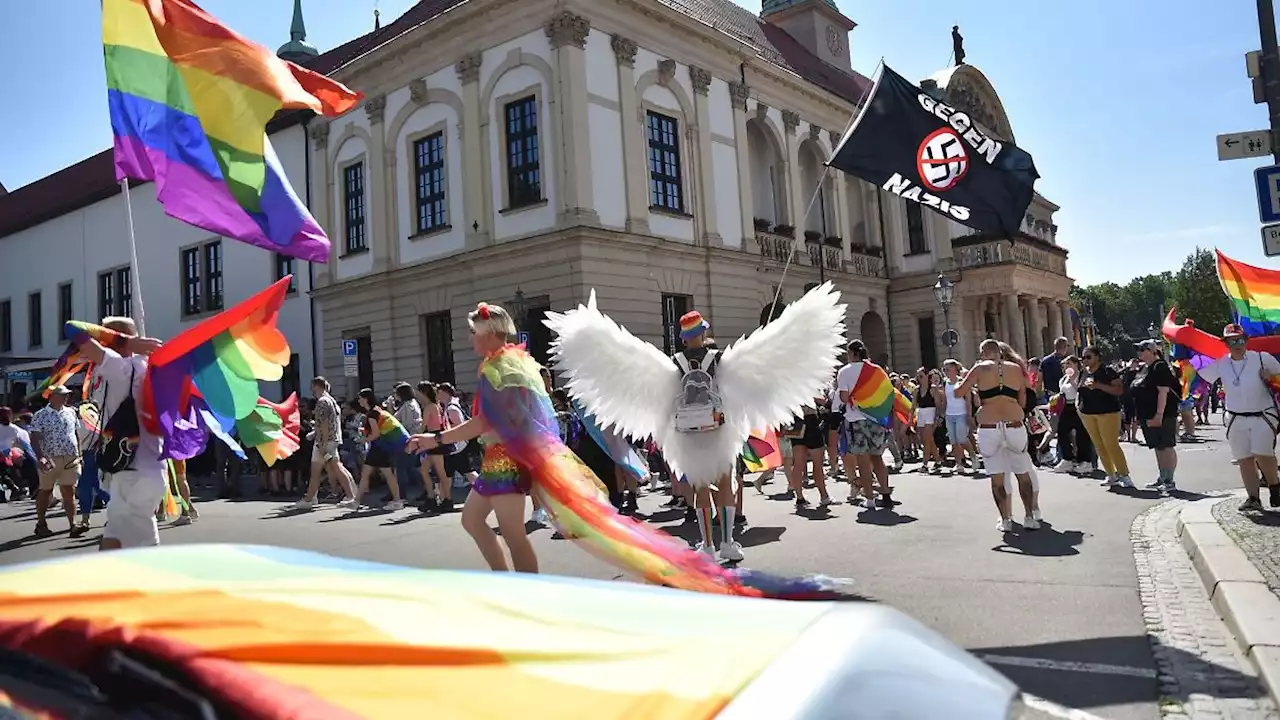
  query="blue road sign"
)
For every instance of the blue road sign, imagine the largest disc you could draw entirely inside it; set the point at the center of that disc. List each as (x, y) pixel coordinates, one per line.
(523, 336)
(1267, 180)
(349, 348)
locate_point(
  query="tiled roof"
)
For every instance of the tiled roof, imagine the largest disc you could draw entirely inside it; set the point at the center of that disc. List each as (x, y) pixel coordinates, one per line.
(93, 179)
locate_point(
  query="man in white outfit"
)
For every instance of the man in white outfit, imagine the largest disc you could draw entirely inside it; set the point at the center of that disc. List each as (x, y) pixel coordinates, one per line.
(137, 491)
(1252, 418)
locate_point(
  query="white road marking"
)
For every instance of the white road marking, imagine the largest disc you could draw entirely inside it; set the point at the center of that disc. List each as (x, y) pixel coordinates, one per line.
(1053, 709)
(1067, 665)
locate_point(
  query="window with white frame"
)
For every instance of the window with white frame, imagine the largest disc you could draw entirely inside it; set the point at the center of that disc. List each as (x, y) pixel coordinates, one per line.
(665, 190)
(202, 278)
(430, 181)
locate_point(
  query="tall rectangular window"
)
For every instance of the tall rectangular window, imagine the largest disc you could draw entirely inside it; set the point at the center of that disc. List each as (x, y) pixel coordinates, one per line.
(437, 333)
(353, 208)
(6, 326)
(916, 244)
(673, 306)
(284, 268)
(64, 305)
(35, 320)
(106, 294)
(290, 381)
(524, 170)
(928, 342)
(202, 278)
(124, 292)
(430, 180)
(665, 190)
(364, 361)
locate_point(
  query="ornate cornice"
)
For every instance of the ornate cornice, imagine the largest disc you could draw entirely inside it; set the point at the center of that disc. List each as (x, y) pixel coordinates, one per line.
(624, 49)
(320, 134)
(701, 79)
(567, 28)
(469, 68)
(376, 108)
(738, 94)
(790, 120)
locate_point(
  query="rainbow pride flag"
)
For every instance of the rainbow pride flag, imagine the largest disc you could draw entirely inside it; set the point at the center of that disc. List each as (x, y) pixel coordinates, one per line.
(392, 437)
(874, 394)
(189, 102)
(762, 451)
(1254, 294)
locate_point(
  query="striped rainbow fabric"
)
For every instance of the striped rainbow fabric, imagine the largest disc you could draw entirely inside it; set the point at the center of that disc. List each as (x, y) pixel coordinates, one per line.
(273, 633)
(189, 102)
(392, 436)
(874, 394)
(1254, 294)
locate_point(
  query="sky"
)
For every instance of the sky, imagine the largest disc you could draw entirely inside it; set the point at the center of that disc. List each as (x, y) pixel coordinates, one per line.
(1118, 101)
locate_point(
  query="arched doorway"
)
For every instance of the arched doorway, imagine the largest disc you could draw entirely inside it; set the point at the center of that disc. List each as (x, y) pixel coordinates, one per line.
(875, 337)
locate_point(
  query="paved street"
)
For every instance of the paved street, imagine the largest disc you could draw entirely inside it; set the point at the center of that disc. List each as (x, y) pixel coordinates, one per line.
(1059, 611)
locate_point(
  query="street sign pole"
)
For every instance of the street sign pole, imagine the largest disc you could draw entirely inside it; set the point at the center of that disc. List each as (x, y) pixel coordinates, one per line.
(1270, 67)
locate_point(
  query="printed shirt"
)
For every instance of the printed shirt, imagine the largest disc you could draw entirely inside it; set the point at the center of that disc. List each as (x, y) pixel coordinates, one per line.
(57, 430)
(328, 421)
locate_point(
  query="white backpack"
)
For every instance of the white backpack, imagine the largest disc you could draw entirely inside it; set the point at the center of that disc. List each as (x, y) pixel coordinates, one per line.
(698, 407)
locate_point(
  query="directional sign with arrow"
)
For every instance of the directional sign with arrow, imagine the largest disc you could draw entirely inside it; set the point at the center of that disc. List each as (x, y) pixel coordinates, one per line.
(1238, 146)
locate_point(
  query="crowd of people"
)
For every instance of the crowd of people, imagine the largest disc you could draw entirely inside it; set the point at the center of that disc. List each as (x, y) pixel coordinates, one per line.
(1001, 417)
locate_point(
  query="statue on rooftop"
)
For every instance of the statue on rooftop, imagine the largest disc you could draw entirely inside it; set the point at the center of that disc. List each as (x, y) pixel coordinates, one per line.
(957, 44)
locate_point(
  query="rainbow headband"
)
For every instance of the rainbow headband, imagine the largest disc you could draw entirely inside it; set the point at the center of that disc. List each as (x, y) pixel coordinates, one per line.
(692, 325)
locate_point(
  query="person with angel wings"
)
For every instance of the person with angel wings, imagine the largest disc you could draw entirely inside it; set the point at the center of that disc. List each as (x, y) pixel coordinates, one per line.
(700, 405)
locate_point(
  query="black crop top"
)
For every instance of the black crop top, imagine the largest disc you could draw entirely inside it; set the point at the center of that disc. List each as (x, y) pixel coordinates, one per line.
(926, 398)
(999, 390)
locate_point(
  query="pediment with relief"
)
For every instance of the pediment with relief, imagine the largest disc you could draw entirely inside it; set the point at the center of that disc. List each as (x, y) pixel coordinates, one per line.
(967, 89)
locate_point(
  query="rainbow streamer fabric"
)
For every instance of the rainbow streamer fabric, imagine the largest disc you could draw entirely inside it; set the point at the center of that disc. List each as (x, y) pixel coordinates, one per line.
(515, 404)
(1254, 294)
(189, 102)
(873, 393)
(72, 361)
(205, 381)
(762, 451)
(392, 437)
(274, 633)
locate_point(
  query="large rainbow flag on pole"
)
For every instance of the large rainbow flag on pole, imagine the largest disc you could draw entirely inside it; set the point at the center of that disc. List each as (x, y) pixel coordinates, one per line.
(1254, 294)
(190, 101)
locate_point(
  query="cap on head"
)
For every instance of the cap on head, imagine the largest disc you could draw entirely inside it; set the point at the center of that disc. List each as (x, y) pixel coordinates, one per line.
(1152, 345)
(59, 390)
(692, 325)
(1232, 330)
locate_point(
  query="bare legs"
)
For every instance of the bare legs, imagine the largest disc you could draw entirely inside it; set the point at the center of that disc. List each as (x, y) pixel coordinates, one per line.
(509, 510)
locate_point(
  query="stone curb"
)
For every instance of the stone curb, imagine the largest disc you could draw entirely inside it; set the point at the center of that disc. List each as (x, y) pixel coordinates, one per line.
(1236, 589)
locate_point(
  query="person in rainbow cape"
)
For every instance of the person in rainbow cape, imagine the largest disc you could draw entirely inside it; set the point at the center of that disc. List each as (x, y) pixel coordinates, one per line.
(386, 438)
(517, 425)
(162, 401)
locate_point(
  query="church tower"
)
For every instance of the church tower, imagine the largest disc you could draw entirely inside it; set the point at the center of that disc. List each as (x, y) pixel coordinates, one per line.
(297, 50)
(818, 25)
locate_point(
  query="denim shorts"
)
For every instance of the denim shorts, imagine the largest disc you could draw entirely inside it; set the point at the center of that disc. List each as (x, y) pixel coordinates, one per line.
(958, 428)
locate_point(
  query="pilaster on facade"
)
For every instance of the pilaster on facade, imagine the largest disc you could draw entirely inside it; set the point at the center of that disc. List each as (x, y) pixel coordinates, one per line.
(322, 184)
(634, 165)
(567, 34)
(797, 203)
(1014, 330)
(1066, 328)
(476, 205)
(701, 81)
(379, 190)
(738, 94)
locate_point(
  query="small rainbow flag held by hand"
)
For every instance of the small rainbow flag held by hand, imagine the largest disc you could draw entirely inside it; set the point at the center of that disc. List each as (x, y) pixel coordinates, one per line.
(875, 395)
(1254, 294)
(761, 451)
(189, 102)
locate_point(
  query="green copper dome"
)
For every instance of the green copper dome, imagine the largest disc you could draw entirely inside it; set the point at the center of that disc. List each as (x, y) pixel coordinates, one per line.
(768, 7)
(297, 50)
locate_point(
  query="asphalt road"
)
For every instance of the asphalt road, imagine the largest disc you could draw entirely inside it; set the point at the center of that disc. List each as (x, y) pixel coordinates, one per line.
(1056, 610)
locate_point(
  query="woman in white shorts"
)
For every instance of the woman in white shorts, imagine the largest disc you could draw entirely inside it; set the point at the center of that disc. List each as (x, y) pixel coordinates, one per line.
(927, 398)
(1001, 380)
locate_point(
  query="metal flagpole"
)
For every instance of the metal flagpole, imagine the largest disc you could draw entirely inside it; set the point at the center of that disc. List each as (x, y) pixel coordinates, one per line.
(136, 281)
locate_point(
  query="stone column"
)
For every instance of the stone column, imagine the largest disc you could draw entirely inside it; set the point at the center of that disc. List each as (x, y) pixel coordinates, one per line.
(738, 93)
(700, 137)
(568, 35)
(477, 199)
(375, 108)
(1013, 318)
(322, 197)
(795, 195)
(1053, 308)
(634, 163)
(1068, 331)
(840, 200)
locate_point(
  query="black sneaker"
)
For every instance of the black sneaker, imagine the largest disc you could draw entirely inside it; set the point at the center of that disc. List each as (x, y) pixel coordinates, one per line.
(428, 505)
(1274, 500)
(630, 504)
(690, 515)
(43, 531)
(445, 506)
(739, 520)
(801, 503)
(1251, 504)
(80, 529)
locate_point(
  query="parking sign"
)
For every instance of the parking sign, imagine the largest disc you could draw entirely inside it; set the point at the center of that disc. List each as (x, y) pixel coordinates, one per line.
(1267, 180)
(350, 358)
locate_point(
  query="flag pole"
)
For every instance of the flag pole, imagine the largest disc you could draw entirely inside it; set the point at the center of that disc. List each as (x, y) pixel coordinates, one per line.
(136, 282)
(860, 108)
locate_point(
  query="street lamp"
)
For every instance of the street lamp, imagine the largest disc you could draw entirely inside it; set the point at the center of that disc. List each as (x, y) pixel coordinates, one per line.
(518, 308)
(1086, 323)
(1152, 332)
(944, 293)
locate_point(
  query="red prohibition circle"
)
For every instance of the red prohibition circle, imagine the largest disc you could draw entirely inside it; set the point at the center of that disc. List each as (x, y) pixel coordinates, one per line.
(922, 162)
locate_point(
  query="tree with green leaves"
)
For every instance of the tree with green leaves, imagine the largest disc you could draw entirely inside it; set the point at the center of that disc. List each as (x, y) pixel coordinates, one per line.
(1197, 293)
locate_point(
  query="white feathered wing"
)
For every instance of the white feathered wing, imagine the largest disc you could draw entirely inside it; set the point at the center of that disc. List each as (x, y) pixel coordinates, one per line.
(621, 379)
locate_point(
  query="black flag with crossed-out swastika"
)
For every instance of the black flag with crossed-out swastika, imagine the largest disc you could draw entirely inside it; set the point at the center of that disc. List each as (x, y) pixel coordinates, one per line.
(916, 146)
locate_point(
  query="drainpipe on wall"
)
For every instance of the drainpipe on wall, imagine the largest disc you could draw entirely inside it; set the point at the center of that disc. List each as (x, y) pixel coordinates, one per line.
(311, 275)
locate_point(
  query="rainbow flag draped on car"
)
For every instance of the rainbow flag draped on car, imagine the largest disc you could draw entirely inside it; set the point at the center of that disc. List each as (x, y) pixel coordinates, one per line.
(189, 101)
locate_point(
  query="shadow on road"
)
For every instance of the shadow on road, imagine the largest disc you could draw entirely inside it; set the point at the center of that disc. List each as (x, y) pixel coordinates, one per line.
(1109, 671)
(1045, 542)
(884, 518)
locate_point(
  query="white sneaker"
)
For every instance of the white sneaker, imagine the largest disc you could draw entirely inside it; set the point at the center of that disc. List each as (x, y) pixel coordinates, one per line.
(1124, 481)
(1005, 525)
(1109, 481)
(1064, 466)
(394, 506)
(304, 504)
(1030, 523)
(349, 503)
(1036, 514)
(540, 517)
(182, 520)
(706, 550)
(730, 551)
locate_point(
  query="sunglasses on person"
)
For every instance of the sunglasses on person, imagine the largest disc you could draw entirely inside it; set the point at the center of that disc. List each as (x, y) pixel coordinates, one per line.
(1237, 340)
